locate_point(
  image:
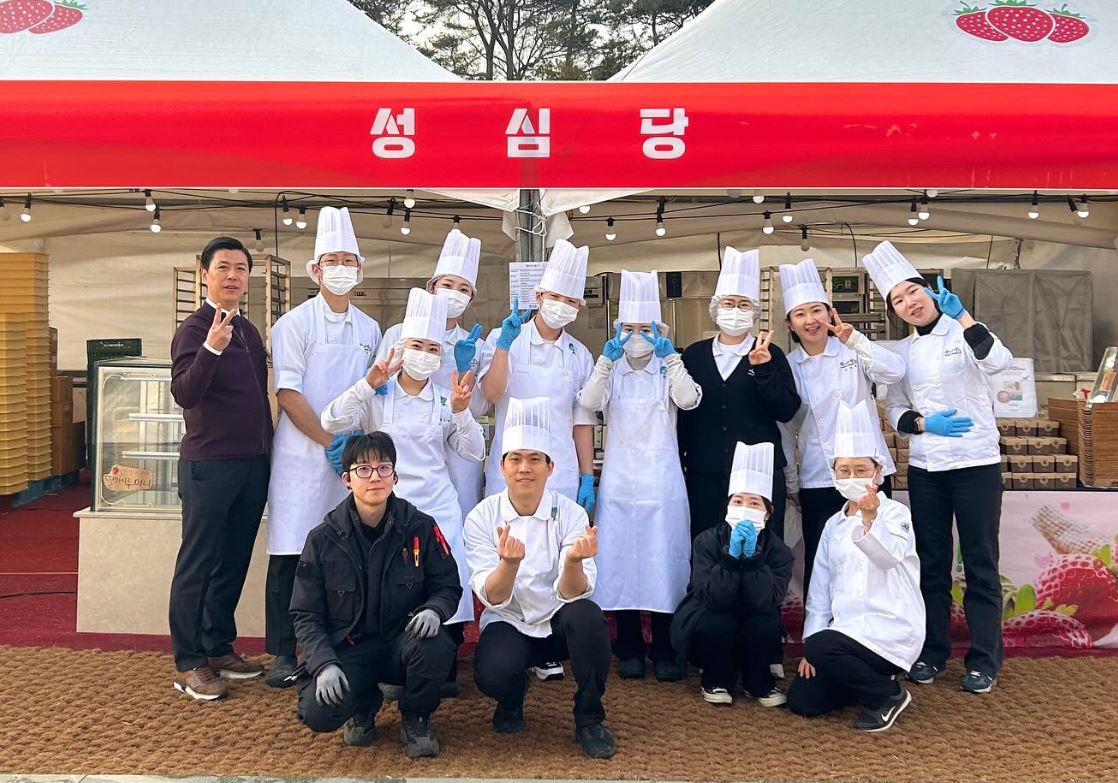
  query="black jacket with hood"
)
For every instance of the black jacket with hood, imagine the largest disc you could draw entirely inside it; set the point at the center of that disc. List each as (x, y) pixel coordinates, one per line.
(328, 603)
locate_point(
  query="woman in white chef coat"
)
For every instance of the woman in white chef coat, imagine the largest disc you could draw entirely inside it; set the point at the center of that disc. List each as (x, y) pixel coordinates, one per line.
(865, 614)
(427, 422)
(455, 279)
(643, 522)
(833, 364)
(945, 407)
(319, 349)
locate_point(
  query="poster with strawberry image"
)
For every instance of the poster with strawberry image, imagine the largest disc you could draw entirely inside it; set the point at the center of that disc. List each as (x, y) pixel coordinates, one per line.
(38, 17)
(1020, 20)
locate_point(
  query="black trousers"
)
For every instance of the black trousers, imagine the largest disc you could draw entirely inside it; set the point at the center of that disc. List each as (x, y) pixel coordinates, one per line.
(279, 632)
(630, 636)
(974, 497)
(816, 507)
(222, 500)
(726, 645)
(708, 496)
(846, 672)
(578, 632)
(420, 665)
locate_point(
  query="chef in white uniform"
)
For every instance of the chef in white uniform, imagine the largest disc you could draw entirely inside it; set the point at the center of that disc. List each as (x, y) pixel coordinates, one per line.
(945, 408)
(833, 363)
(455, 279)
(427, 422)
(643, 522)
(318, 350)
(865, 614)
(538, 358)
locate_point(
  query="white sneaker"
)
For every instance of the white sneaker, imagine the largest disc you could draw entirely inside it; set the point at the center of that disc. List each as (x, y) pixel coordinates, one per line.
(717, 696)
(774, 698)
(776, 670)
(552, 670)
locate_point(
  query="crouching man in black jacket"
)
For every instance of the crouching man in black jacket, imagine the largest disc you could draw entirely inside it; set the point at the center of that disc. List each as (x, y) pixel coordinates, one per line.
(374, 585)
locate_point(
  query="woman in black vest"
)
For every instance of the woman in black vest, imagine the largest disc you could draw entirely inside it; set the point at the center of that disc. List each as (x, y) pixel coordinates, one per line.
(741, 400)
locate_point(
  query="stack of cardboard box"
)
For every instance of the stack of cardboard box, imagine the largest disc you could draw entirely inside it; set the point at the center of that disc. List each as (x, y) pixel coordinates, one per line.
(63, 449)
(13, 411)
(1034, 456)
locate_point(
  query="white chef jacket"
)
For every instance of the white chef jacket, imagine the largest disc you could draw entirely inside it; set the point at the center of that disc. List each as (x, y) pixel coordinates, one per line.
(361, 408)
(442, 376)
(841, 373)
(727, 357)
(941, 372)
(867, 585)
(293, 334)
(547, 534)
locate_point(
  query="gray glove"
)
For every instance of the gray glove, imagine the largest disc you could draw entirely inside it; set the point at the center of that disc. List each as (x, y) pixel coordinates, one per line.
(425, 624)
(331, 686)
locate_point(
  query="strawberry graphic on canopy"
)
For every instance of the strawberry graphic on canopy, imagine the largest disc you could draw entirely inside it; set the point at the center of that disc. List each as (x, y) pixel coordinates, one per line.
(66, 14)
(1045, 628)
(1087, 582)
(19, 15)
(972, 20)
(1069, 25)
(1018, 19)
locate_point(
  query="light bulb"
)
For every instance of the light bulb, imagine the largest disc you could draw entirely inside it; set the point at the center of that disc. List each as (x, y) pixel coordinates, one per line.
(661, 230)
(301, 221)
(156, 226)
(1034, 207)
(913, 216)
(149, 202)
(25, 215)
(287, 219)
(259, 246)
(406, 228)
(758, 198)
(610, 233)
(457, 222)
(787, 217)
(733, 193)
(932, 193)
(924, 212)
(768, 227)
(1084, 211)
(409, 199)
(584, 209)
(804, 244)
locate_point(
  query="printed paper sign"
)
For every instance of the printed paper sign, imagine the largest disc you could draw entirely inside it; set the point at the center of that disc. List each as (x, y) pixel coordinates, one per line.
(524, 277)
(1015, 391)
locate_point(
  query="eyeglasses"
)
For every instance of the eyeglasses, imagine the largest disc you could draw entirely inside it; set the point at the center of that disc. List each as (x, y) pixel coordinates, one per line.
(384, 470)
(745, 306)
(330, 263)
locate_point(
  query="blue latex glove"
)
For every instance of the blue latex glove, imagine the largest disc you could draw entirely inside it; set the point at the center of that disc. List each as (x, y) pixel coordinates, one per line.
(615, 346)
(382, 390)
(335, 449)
(510, 327)
(661, 345)
(465, 350)
(586, 495)
(949, 303)
(947, 424)
(743, 539)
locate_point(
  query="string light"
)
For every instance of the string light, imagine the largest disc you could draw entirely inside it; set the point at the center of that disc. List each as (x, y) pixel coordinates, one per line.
(156, 226)
(661, 229)
(804, 244)
(389, 211)
(287, 219)
(409, 199)
(149, 202)
(25, 215)
(5, 215)
(1084, 211)
(913, 217)
(924, 212)
(1034, 208)
(734, 193)
(787, 217)
(758, 198)
(406, 228)
(584, 209)
(301, 221)
(610, 233)
(768, 227)
(259, 246)
(932, 192)
(456, 222)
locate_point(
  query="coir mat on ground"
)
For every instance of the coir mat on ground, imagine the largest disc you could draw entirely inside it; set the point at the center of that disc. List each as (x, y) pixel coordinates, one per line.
(66, 711)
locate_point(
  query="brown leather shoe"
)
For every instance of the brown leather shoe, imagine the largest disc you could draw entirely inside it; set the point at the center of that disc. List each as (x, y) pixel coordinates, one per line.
(234, 667)
(201, 684)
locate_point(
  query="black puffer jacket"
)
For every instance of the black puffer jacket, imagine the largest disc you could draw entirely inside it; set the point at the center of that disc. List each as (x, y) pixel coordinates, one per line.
(332, 587)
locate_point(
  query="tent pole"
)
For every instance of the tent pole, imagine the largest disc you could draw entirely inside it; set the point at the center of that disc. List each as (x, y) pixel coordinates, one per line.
(530, 227)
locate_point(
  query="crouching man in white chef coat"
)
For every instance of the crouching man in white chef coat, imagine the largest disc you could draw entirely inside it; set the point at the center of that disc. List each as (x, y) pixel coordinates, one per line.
(865, 614)
(531, 556)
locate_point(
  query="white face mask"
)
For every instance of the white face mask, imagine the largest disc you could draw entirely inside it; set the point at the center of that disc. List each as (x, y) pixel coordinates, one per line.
(853, 488)
(420, 364)
(637, 347)
(734, 322)
(557, 314)
(339, 280)
(456, 301)
(735, 514)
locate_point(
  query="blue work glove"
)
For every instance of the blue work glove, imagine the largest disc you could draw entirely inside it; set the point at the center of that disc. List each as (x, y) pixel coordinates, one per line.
(335, 449)
(947, 424)
(949, 303)
(510, 327)
(465, 350)
(586, 495)
(615, 346)
(743, 539)
(331, 686)
(661, 345)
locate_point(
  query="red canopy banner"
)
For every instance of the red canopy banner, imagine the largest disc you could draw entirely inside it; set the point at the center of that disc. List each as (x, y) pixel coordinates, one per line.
(557, 135)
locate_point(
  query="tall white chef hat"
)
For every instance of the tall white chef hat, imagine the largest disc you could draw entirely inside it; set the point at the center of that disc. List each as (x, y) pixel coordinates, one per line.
(460, 256)
(801, 284)
(565, 272)
(425, 318)
(640, 298)
(740, 275)
(857, 433)
(334, 234)
(888, 268)
(527, 426)
(753, 470)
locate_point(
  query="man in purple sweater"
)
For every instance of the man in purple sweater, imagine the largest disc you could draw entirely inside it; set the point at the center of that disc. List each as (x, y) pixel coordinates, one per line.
(219, 376)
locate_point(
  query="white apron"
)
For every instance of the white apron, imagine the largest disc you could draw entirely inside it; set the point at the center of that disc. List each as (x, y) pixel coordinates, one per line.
(644, 528)
(560, 385)
(303, 486)
(425, 482)
(465, 474)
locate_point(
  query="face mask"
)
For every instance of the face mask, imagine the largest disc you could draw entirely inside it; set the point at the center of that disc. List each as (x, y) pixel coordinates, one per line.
(735, 514)
(637, 347)
(734, 322)
(557, 314)
(339, 280)
(420, 364)
(456, 301)
(853, 488)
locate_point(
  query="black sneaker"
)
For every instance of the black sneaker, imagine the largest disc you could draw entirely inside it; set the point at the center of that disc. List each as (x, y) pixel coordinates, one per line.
(415, 733)
(631, 668)
(882, 718)
(508, 721)
(281, 674)
(551, 670)
(359, 732)
(925, 673)
(978, 682)
(668, 671)
(596, 741)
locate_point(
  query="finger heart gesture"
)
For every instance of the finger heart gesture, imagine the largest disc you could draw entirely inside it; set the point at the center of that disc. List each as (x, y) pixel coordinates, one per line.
(585, 546)
(509, 549)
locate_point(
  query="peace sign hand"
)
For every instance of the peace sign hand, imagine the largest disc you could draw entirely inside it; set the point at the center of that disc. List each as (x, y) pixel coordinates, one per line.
(840, 329)
(661, 345)
(760, 353)
(949, 303)
(615, 346)
(466, 349)
(384, 369)
(221, 330)
(461, 386)
(584, 547)
(509, 549)
(510, 327)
